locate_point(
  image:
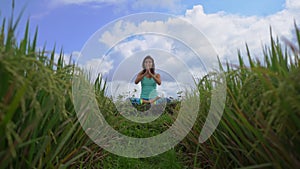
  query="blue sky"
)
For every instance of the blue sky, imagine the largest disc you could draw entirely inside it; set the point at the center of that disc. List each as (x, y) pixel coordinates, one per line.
(70, 24)
(227, 25)
(243, 7)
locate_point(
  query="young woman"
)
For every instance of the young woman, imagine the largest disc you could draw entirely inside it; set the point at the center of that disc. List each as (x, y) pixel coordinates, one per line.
(149, 80)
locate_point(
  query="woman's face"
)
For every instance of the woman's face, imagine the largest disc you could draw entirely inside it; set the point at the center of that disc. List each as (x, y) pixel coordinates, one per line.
(148, 63)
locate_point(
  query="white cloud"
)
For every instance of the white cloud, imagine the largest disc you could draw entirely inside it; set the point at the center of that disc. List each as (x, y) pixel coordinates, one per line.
(179, 31)
(122, 88)
(229, 32)
(167, 60)
(97, 66)
(170, 89)
(147, 42)
(226, 32)
(292, 4)
(123, 29)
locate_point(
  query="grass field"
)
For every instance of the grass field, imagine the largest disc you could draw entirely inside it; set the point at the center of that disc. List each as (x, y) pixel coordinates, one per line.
(260, 127)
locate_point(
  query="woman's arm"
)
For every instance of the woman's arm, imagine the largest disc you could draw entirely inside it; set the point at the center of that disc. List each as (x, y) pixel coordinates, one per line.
(156, 77)
(139, 77)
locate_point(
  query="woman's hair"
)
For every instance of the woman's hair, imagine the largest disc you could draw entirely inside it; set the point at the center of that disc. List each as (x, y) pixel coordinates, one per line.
(153, 65)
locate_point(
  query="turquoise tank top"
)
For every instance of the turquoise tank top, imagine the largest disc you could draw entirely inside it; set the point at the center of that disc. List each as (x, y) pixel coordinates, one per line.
(148, 88)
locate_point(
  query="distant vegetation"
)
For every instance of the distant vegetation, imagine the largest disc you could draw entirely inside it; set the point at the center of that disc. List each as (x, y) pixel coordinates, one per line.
(39, 128)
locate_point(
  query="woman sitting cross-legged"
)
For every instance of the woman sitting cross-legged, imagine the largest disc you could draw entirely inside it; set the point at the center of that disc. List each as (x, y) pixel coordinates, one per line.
(149, 80)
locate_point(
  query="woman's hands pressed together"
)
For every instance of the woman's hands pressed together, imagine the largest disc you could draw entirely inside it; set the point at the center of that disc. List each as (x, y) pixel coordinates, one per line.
(148, 74)
(156, 77)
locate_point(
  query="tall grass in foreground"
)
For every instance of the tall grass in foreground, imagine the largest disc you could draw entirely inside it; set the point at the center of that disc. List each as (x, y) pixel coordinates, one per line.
(260, 127)
(38, 124)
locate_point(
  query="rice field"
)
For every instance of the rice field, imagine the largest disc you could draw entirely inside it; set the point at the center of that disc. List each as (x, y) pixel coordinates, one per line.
(260, 127)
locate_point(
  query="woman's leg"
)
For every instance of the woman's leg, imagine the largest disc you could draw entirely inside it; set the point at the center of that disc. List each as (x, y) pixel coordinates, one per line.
(144, 100)
(155, 99)
(150, 101)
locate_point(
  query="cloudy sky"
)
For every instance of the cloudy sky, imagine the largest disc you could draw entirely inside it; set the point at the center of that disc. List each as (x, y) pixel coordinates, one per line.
(112, 41)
